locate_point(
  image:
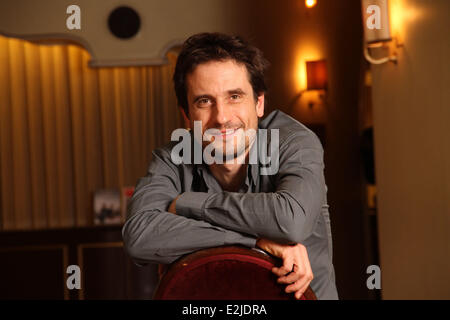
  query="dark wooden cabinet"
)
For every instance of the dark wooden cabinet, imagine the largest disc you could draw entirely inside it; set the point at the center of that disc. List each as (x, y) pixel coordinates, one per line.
(33, 265)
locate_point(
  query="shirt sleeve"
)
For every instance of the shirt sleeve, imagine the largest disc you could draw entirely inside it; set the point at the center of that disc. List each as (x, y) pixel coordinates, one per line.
(151, 234)
(286, 215)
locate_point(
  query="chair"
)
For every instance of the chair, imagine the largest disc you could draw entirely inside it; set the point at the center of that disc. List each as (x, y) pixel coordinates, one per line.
(224, 273)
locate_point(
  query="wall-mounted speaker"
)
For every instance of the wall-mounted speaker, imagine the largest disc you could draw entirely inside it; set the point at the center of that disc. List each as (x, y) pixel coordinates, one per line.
(124, 22)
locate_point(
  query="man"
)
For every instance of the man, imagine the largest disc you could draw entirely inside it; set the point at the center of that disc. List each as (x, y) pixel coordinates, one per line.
(182, 207)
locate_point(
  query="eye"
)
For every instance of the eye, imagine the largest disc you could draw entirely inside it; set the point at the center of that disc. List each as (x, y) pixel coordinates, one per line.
(203, 101)
(235, 96)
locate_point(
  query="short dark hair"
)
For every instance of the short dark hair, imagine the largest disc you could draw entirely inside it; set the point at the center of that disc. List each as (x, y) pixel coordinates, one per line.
(204, 47)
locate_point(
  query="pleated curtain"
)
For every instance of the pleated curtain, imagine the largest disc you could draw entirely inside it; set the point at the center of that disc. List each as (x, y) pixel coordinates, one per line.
(67, 130)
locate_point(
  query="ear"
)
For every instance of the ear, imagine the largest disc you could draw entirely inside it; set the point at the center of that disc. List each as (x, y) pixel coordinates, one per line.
(187, 122)
(260, 105)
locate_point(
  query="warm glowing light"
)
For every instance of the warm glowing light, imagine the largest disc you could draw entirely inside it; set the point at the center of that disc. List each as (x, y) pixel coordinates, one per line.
(310, 3)
(308, 48)
(402, 14)
(307, 51)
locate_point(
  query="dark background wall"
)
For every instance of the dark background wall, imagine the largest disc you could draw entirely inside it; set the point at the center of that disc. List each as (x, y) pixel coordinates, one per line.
(289, 34)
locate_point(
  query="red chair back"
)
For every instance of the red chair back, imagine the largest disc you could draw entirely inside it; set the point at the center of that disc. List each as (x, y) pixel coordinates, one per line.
(224, 273)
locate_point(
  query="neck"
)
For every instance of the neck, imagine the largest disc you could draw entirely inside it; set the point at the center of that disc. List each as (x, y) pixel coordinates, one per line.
(230, 175)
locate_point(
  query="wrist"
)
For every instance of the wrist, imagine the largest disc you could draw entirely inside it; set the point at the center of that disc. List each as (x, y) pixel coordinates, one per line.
(269, 246)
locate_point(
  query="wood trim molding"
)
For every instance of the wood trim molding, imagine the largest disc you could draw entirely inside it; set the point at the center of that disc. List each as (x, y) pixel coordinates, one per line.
(65, 262)
(80, 248)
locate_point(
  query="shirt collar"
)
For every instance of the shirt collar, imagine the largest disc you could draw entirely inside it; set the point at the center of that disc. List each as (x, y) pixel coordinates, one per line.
(252, 169)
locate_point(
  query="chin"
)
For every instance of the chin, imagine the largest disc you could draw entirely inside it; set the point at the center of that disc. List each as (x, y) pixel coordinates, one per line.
(235, 153)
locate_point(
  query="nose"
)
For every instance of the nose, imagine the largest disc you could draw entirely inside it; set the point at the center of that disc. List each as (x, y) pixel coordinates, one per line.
(222, 113)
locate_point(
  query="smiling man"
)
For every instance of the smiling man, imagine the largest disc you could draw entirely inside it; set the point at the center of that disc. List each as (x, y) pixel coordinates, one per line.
(180, 208)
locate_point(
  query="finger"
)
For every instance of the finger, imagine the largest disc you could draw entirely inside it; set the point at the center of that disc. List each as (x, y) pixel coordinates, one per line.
(292, 277)
(297, 271)
(303, 282)
(285, 268)
(304, 268)
(301, 291)
(282, 271)
(294, 287)
(299, 294)
(301, 285)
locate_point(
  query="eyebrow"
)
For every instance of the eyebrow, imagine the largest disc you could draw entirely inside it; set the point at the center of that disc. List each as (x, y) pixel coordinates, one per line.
(236, 91)
(230, 92)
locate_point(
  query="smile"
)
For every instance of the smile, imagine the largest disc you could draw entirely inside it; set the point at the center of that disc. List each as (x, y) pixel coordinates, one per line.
(226, 134)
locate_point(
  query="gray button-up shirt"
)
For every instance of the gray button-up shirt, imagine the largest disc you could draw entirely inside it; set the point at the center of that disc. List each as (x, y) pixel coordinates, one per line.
(289, 206)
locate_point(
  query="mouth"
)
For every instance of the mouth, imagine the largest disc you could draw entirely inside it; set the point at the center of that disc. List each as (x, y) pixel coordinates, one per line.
(226, 134)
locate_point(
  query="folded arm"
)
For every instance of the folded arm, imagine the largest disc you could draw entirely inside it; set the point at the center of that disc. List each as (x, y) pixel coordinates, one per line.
(152, 234)
(286, 215)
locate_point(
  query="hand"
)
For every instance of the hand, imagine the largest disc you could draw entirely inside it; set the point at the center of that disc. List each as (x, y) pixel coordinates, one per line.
(296, 269)
(172, 206)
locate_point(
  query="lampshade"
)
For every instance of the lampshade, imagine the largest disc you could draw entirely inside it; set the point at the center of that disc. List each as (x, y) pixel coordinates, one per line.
(316, 75)
(375, 14)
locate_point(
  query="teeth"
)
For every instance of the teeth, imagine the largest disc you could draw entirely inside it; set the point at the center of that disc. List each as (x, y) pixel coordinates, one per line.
(225, 133)
(229, 131)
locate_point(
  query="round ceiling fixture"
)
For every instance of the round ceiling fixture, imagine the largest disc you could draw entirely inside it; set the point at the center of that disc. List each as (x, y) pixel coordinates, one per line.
(124, 22)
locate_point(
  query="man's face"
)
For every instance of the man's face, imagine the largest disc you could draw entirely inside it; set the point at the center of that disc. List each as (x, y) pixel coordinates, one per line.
(220, 95)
